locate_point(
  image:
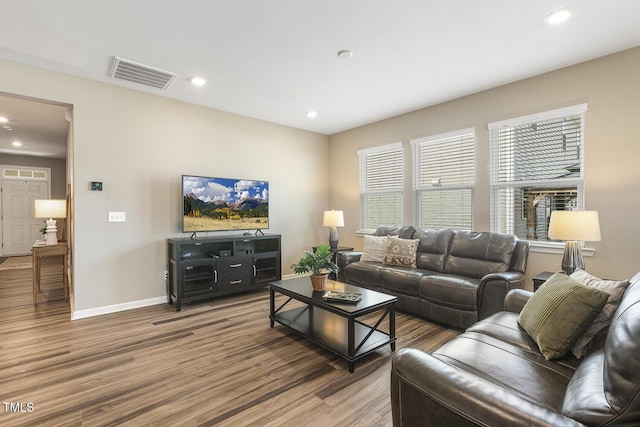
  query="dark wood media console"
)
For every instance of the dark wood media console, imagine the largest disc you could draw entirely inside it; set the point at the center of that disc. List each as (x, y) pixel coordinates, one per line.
(203, 268)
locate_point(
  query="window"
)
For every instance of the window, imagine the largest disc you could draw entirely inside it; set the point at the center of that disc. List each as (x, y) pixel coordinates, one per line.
(444, 178)
(31, 174)
(381, 176)
(536, 167)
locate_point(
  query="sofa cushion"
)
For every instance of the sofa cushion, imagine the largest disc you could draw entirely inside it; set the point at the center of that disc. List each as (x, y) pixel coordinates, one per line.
(515, 369)
(401, 252)
(450, 291)
(404, 232)
(433, 248)
(476, 254)
(504, 326)
(454, 317)
(402, 280)
(559, 312)
(364, 273)
(615, 289)
(374, 248)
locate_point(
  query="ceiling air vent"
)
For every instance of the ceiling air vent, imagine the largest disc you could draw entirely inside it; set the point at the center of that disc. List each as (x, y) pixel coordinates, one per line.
(130, 71)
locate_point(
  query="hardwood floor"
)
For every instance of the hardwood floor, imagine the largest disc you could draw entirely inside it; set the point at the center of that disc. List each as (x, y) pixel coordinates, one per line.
(214, 363)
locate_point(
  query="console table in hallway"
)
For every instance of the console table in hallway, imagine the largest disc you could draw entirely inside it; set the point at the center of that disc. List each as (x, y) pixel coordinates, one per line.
(39, 251)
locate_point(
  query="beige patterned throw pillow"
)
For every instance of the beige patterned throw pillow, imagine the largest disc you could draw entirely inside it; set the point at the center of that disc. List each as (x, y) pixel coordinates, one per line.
(401, 252)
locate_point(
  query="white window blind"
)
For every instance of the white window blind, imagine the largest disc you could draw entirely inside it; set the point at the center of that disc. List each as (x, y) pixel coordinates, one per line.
(381, 176)
(444, 178)
(537, 167)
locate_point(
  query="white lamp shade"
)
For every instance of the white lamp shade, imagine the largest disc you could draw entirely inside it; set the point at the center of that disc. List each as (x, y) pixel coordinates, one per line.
(50, 208)
(333, 219)
(575, 225)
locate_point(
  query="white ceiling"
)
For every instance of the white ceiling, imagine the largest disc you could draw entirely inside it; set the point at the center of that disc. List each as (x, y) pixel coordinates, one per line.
(40, 127)
(275, 60)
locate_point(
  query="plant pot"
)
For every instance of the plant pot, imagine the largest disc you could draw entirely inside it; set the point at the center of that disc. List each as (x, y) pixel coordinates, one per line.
(319, 283)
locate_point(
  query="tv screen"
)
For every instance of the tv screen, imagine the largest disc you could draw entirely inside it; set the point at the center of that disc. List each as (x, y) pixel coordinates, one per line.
(223, 204)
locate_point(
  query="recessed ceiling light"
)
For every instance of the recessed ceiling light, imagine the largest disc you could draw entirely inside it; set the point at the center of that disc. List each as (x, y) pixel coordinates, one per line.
(3, 120)
(345, 54)
(198, 81)
(558, 17)
(312, 114)
(16, 144)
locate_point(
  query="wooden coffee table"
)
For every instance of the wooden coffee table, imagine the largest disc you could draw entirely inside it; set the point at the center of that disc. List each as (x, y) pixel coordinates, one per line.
(335, 326)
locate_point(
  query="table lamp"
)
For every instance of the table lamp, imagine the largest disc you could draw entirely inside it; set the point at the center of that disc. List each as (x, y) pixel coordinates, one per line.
(333, 219)
(51, 208)
(573, 227)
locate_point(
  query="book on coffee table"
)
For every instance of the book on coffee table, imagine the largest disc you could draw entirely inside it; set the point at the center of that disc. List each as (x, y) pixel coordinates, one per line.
(347, 297)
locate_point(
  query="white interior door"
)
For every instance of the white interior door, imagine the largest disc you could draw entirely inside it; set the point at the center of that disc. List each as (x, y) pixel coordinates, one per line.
(20, 228)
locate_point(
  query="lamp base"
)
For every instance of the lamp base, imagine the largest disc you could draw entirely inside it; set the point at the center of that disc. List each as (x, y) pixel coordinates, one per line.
(572, 257)
(333, 238)
(52, 232)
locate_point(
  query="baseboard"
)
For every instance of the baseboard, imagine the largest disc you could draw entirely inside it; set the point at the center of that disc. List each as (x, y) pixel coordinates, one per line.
(107, 309)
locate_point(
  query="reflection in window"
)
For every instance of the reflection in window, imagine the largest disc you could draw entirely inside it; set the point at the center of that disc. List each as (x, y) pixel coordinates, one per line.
(537, 204)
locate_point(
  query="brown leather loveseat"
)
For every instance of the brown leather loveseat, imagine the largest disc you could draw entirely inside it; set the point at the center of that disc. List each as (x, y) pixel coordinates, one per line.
(494, 375)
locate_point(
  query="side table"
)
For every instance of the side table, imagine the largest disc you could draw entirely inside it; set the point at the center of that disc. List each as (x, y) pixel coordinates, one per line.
(39, 251)
(540, 278)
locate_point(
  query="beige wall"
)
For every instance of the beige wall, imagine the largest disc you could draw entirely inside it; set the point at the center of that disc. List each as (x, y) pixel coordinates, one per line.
(138, 145)
(610, 86)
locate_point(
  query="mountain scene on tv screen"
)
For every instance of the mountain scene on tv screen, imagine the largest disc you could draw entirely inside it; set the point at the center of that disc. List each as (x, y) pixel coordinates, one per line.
(224, 204)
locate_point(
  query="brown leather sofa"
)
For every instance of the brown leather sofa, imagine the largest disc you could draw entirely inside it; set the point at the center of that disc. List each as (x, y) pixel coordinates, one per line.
(461, 276)
(494, 375)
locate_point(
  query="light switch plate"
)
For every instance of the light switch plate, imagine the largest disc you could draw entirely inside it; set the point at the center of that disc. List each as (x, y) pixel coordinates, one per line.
(117, 216)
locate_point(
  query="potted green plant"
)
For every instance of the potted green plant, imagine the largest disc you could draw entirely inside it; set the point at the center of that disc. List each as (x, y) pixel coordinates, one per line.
(319, 264)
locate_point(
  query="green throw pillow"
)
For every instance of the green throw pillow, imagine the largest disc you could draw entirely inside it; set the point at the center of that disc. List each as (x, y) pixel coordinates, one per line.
(558, 313)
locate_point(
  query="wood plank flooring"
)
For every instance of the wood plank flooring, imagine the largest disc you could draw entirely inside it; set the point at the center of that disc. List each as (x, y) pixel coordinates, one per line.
(214, 363)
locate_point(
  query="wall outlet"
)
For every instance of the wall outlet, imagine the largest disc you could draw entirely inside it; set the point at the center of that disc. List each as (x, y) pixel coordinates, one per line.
(166, 275)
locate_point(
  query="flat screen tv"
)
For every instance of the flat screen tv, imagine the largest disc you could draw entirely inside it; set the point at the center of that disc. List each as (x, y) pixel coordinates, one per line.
(224, 204)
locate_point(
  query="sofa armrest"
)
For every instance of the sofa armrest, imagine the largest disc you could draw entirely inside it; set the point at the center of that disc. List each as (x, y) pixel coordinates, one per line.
(344, 258)
(425, 391)
(493, 289)
(516, 299)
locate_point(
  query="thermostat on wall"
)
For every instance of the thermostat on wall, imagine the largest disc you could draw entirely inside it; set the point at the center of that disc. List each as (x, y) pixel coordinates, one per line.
(96, 186)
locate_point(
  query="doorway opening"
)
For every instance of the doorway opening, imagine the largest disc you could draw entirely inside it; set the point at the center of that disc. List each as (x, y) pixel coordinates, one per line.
(35, 143)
